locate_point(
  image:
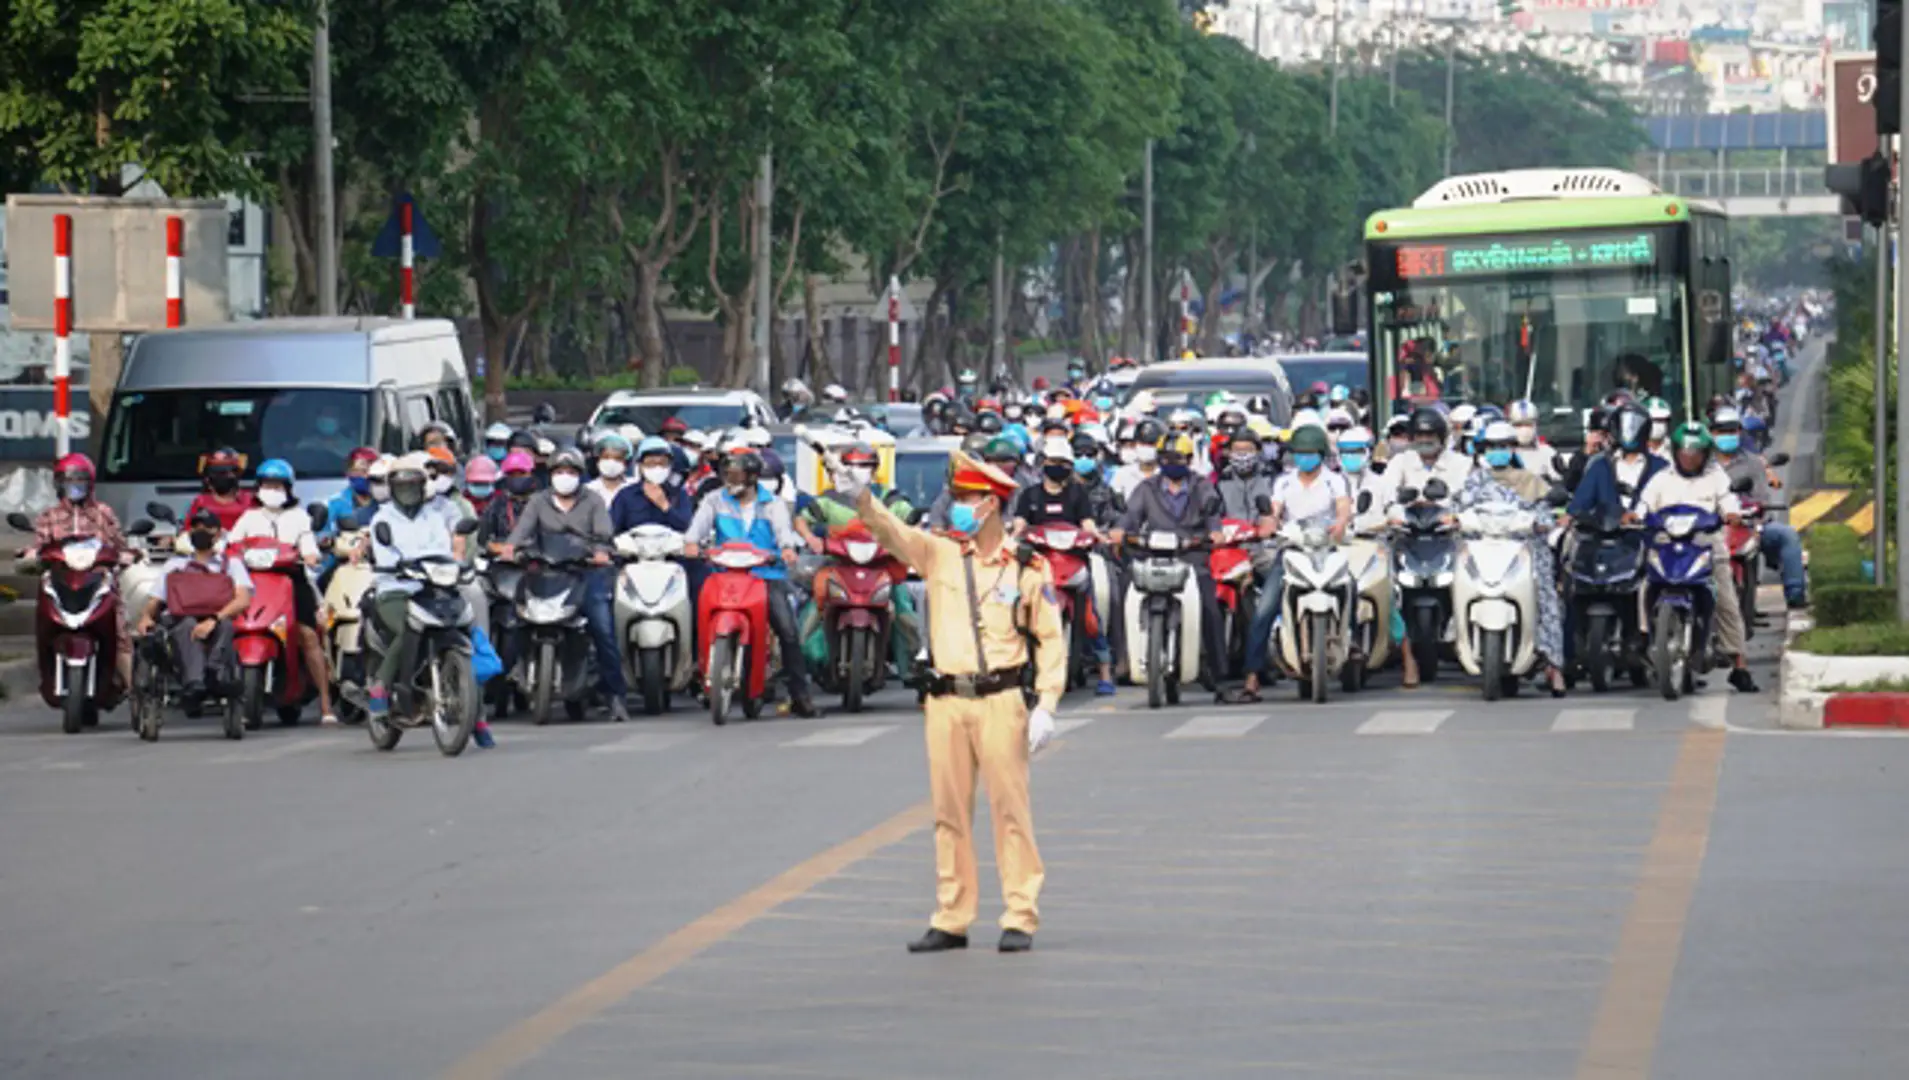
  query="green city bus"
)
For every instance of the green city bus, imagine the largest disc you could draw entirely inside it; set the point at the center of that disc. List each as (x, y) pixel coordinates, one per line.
(1556, 285)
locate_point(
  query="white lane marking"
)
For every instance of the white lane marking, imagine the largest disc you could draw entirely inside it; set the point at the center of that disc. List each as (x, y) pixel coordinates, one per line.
(1595, 720)
(644, 742)
(1404, 722)
(1709, 711)
(1219, 726)
(273, 753)
(843, 736)
(1062, 727)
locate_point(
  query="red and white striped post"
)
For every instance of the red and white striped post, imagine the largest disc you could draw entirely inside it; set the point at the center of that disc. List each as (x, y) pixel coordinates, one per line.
(894, 338)
(407, 281)
(62, 333)
(175, 276)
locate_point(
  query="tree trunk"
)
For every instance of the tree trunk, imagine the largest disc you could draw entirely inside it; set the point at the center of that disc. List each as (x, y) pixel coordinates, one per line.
(821, 371)
(649, 325)
(1090, 304)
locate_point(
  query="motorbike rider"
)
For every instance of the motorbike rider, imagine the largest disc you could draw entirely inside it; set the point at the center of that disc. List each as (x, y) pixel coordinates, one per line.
(497, 442)
(613, 465)
(480, 483)
(1534, 453)
(1310, 493)
(279, 517)
(356, 495)
(1147, 434)
(378, 480)
(1659, 411)
(1740, 460)
(796, 399)
(561, 522)
(203, 646)
(415, 534)
(1697, 480)
(1630, 466)
(1500, 478)
(744, 511)
(1244, 476)
(1430, 457)
(1174, 500)
(222, 495)
(1059, 497)
(440, 470)
(78, 513)
(654, 497)
(519, 483)
(1091, 472)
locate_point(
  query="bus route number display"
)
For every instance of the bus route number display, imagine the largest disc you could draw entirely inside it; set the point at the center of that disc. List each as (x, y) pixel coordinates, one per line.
(1462, 259)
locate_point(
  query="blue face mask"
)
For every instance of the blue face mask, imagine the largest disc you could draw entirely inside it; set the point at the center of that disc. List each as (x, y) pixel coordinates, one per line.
(77, 492)
(496, 453)
(1352, 461)
(327, 425)
(1497, 459)
(1308, 462)
(1085, 466)
(1727, 442)
(481, 491)
(962, 519)
(361, 486)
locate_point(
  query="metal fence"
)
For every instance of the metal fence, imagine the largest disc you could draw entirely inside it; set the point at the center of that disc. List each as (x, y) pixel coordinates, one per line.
(1744, 183)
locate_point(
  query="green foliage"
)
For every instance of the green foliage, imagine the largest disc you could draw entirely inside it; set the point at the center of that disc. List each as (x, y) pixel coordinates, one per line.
(1858, 639)
(1779, 252)
(1521, 110)
(1849, 439)
(1843, 605)
(1884, 685)
(1836, 555)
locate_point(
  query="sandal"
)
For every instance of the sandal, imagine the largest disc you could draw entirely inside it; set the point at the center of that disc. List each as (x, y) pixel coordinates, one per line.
(1242, 696)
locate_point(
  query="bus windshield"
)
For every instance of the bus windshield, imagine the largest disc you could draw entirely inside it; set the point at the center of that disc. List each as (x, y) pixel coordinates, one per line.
(159, 435)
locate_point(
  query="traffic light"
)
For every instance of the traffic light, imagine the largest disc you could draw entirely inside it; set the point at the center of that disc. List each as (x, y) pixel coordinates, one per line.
(1864, 185)
(1888, 41)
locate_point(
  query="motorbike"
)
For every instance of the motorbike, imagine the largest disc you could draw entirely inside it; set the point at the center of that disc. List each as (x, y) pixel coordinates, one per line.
(1744, 538)
(1163, 617)
(1495, 597)
(76, 624)
(733, 614)
(340, 622)
(1604, 577)
(556, 642)
(1679, 596)
(439, 689)
(854, 596)
(1424, 558)
(1317, 606)
(1068, 552)
(1234, 582)
(653, 614)
(265, 634)
(137, 580)
(1371, 637)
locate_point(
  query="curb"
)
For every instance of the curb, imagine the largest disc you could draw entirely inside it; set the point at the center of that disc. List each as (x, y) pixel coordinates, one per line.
(1879, 710)
(1798, 705)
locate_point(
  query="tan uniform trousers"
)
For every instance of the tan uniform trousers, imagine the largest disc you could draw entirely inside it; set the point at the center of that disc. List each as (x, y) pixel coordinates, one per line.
(989, 735)
(1729, 615)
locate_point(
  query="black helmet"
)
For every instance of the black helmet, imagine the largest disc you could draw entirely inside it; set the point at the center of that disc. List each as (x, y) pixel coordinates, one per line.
(975, 445)
(1630, 427)
(1427, 422)
(988, 423)
(1599, 419)
(1149, 431)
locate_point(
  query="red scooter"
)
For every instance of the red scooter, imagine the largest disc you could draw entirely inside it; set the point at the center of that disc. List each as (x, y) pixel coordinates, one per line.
(1234, 584)
(733, 614)
(265, 634)
(1745, 540)
(1066, 549)
(76, 625)
(855, 596)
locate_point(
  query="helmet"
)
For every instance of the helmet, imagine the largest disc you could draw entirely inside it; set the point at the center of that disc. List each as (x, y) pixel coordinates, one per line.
(438, 455)
(833, 392)
(654, 444)
(277, 469)
(224, 458)
(439, 427)
(522, 440)
(771, 466)
(567, 458)
(1658, 408)
(545, 447)
(1498, 433)
(1357, 437)
(381, 468)
(1260, 404)
(1001, 449)
(988, 423)
(497, 433)
(1306, 418)
(859, 454)
(518, 463)
(1057, 448)
(1084, 442)
(1462, 414)
(1309, 440)
(1630, 426)
(408, 481)
(967, 377)
(1338, 420)
(75, 464)
(1177, 443)
(1726, 418)
(1149, 431)
(612, 441)
(1398, 425)
(1245, 434)
(975, 445)
(1338, 394)
(1183, 419)
(1040, 384)
(1691, 436)
(1427, 422)
(481, 470)
(363, 454)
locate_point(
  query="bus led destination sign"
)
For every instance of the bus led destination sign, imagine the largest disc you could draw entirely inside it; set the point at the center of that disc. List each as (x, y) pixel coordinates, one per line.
(1584, 252)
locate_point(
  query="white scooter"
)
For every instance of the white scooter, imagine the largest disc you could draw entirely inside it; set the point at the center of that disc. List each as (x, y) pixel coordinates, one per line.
(1318, 604)
(1495, 597)
(653, 614)
(1162, 619)
(341, 616)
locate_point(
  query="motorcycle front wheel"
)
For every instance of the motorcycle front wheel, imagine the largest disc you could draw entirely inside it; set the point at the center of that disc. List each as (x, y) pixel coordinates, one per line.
(144, 700)
(722, 678)
(1596, 654)
(1670, 631)
(544, 689)
(1424, 642)
(73, 706)
(857, 651)
(454, 712)
(1156, 660)
(655, 684)
(1491, 663)
(252, 695)
(1321, 635)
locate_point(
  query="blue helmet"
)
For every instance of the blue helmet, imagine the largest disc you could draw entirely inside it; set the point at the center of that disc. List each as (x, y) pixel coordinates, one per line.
(653, 445)
(611, 440)
(277, 469)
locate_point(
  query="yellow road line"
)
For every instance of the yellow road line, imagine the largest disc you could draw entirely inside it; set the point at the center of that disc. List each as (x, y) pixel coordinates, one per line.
(1864, 520)
(519, 1043)
(1806, 513)
(1631, 1010)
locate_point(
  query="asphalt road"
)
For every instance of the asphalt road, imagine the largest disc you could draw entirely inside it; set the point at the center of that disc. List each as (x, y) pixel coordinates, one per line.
(1394, 885)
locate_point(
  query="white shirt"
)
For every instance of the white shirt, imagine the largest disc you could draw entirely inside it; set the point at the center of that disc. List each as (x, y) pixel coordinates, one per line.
(1539, 459)
(1708, 490)
(290, 525)
(1296, 499)
(1409, 470)
(1628, 470)
(411, 538)
(605, 492)
(1126, 478)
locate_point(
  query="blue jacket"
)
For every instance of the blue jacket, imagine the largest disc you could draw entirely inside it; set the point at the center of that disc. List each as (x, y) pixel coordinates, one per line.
(632, 508)
(1598, 489)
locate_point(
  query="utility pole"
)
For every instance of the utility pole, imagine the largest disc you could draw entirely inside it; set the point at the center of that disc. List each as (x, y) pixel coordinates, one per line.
(321, 165)
(1881, 432)
(1451, 85)
(1147, 353)
(1332, 111)
(765, 261)
(998, 312)
(1392, 75)
(1902, 391)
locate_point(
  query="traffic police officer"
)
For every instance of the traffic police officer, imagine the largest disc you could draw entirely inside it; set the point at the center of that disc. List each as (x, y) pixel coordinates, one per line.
(982, 600)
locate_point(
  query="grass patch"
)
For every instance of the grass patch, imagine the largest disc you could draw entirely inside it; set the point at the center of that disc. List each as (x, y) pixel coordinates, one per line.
(1836, 555)
(1857, 639)
(1891, 685)
(1846, 605)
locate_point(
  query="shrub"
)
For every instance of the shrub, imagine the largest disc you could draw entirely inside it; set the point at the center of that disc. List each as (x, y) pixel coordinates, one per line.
(1857, 639)
(1836, 555)
(1844, 605)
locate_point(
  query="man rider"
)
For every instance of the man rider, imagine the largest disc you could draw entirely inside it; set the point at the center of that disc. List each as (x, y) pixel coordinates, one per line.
(1742, 461)
(415, 533)
(203, 644)
(1059, 498)
(1430, 457)
(1308, 493)
(1612, 482)
(569, 522)
(222, 495)
(78, 513)
(744, 511)
(497, 442)
(1537, 456)
(1174, 500)
(1696, 480)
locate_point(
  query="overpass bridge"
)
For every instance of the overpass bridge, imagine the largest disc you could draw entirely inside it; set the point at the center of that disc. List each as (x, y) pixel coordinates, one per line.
(1747, 192)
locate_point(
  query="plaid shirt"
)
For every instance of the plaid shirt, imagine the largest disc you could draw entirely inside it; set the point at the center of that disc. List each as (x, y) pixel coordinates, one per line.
(90, 518)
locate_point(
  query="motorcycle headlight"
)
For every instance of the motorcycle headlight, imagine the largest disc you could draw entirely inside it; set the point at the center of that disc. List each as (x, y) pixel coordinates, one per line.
(443, 575)
(544, 608)
(862, 551)
(837, 591)
(1442, 580)
(260, 558)
(882, 593)
(1408, 580)
(81, 554)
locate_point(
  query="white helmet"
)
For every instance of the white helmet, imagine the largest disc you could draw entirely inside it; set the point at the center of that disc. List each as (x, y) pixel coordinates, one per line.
(1461, 416)
(1521, 412)
(381, 468)
(1356, 436)
(1338, 419)
(758, 438)
(834, 392)
(1056, 447)
(1500, 431)
(1306, 418)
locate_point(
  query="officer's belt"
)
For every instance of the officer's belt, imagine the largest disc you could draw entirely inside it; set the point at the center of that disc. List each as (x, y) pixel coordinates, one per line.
(971, 687)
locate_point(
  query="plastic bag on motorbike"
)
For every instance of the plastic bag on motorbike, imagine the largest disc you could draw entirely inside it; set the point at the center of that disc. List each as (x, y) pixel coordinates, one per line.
(485, 663)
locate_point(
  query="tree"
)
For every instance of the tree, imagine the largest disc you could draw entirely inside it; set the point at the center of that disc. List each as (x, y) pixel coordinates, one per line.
(1521, 110)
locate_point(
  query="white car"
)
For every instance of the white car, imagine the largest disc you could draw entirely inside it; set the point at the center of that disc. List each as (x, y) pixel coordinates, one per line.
(702, 409)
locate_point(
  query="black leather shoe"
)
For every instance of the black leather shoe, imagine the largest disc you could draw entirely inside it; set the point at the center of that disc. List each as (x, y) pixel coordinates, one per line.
(1016, 941)
(806, 708)
(1740, 678)
(938, 941)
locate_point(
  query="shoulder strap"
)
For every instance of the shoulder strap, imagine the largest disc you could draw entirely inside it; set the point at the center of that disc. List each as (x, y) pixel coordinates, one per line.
(974, 615)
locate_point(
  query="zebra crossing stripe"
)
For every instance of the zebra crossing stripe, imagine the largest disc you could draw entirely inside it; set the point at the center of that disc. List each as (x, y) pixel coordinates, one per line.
(1218, 726)
(1595, 720)
(644, 742)
(1404, 722)
(843, 736)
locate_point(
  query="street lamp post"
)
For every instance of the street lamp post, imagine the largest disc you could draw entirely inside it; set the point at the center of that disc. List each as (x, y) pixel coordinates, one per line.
(1332, 112)
(1451, 83)
(1146, 258)
(321, 164)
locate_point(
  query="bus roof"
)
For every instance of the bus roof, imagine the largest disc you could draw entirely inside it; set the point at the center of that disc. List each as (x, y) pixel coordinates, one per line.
(1533, 214)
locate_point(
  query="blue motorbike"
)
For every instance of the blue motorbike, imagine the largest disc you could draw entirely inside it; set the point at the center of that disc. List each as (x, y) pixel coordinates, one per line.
(1606, 572)
(1679, 595)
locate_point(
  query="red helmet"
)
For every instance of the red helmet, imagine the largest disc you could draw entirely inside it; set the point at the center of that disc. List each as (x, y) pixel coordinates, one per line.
(364, 454)
(223, 458)
(1040, 383)
(74, 463)
(859, 454)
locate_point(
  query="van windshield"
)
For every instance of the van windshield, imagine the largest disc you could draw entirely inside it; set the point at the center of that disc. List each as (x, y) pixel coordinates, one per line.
(158, 435)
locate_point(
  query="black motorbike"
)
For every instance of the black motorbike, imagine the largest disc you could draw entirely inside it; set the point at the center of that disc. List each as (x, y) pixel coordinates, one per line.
(439, 689)
(1602, 583)
(1424, 554)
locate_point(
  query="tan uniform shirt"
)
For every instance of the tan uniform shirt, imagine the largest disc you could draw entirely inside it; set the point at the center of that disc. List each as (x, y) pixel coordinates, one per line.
(1010, 596)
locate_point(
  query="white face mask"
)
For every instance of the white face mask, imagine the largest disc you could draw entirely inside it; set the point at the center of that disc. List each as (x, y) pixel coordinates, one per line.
(610, 467)
(1527, 435)
(655, 474)
(380, 492)
(862, 474)
(441, 485)
(1128, 454)
(272, 498)
(1147, 456)
(564, 483)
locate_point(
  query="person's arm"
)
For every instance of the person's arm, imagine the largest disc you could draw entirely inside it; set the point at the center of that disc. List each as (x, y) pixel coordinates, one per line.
(700, 527)
(526, 529)
(680, 511)
(1131, 517)
(1043, 619)
(909, 544)
(1341, 511)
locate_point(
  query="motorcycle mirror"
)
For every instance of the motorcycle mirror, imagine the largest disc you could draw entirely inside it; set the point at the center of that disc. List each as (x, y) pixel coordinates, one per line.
(1777, 461)
(320, 514)
(159, 511)
(546, 413)
(1742, 484)
(1365, 501)
(20, 521)
(137, 528)
(382, 530)
(1408, 494)
(1436, 490)
(1264, 503)
(464, 528)
(1558, 496)
(917, 516)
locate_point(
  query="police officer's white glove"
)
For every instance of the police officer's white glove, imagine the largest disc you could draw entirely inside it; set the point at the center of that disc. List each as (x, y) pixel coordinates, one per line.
(1040, 730)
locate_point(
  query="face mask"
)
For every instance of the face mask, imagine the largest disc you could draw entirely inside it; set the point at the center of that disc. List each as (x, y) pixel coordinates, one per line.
(272, 498)
(77, 492)
(694, 456)
(565, 483)
(1244, 463)
(223, 483)
(1129, 454)
(963, 519)
(381, 492)
(496, 453)
(1085, 466)
(1498, 459)
(441, 485)
(1728, 442)
(1146, 455)
(1306, 462)
(203, 539)
(1428, 449)
(655, 474)
(520, 485)
(1527, 435)
(1058, 471)
(360, 485)
(610, 467)
(862, 474)
(327, 425)
(481, 491)
(1352, 461)
(1175, 471)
